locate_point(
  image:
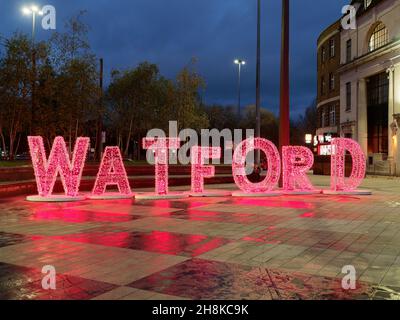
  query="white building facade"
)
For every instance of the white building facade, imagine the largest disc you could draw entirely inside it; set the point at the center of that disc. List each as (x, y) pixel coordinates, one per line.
(370, 84)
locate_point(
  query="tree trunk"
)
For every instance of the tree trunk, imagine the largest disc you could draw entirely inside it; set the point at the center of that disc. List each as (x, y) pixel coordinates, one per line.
(129, 137)
(119, 140)
(76, 129)
(12, 137)
(18, 143)
(11, 153)
(139, 146)
(3, 141)
(70, 135)
(48, 144)
(96, 145)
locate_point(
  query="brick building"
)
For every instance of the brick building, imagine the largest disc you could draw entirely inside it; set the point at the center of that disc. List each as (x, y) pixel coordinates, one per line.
(328, 97)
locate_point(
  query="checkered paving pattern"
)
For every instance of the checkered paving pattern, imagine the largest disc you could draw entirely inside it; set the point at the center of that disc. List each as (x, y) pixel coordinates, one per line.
(289, 247)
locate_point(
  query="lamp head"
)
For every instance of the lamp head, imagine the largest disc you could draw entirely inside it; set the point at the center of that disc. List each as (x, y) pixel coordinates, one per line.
(239, 61)
(26, 11)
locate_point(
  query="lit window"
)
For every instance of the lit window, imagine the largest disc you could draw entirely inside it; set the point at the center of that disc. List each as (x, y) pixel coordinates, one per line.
(379, 37)
(323, 84)
(332, 116)
(331, 82)
(323, 54)
(348, 50)
(348, 96)
(332, 48)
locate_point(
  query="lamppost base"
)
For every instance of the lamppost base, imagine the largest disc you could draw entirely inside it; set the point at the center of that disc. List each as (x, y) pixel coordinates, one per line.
(301, 192)
(241, 194)
(155, 196)
(55, 198)
(111, 196)
(210, 194)
(358, 192)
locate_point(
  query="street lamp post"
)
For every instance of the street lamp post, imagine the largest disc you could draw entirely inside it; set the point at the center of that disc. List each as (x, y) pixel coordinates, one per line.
(100, 134)
(258, 79)
(33, 10)
(284, 128)
(240, 63)
(284, 116)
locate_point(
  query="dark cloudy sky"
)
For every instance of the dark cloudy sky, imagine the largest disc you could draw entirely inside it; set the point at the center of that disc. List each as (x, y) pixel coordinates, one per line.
(169, 33)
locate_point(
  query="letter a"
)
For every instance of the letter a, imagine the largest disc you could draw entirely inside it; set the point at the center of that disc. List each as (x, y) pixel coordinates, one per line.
(112, 172)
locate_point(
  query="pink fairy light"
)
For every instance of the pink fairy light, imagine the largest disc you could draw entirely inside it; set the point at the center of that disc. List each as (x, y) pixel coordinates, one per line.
(338, 180)
(58, 163)
(296, 162)
(239, 165)
(161, 147)
(112, 172)
(199, 170)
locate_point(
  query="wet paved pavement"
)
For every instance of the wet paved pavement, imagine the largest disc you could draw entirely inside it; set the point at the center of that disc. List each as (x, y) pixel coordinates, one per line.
(291, 247)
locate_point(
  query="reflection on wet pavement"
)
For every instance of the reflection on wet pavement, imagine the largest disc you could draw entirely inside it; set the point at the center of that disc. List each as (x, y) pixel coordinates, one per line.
(154, 241)
(214, 280)
(217, 248)
(21, 283)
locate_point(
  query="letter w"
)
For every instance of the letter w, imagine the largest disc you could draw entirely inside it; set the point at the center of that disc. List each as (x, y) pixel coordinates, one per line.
(58, 163)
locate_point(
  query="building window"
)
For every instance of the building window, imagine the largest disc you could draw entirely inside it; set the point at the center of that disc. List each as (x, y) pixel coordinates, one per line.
(332, 48)
(377, 113)
(348, 135)
(331, 82)
(367, 3)
(322, 86)
(348, 50)
(323, 118)
(332, 116)
(378, 90)
(379, 37)
(348, 96)
(323, 54)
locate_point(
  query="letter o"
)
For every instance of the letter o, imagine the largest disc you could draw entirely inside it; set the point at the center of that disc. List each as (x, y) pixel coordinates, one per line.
(239, 165)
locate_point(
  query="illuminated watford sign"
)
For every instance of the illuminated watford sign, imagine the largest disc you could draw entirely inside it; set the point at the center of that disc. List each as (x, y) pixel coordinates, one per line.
(292, 168)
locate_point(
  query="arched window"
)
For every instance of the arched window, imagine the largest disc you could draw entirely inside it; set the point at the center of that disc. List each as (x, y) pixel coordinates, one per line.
(379, 37)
